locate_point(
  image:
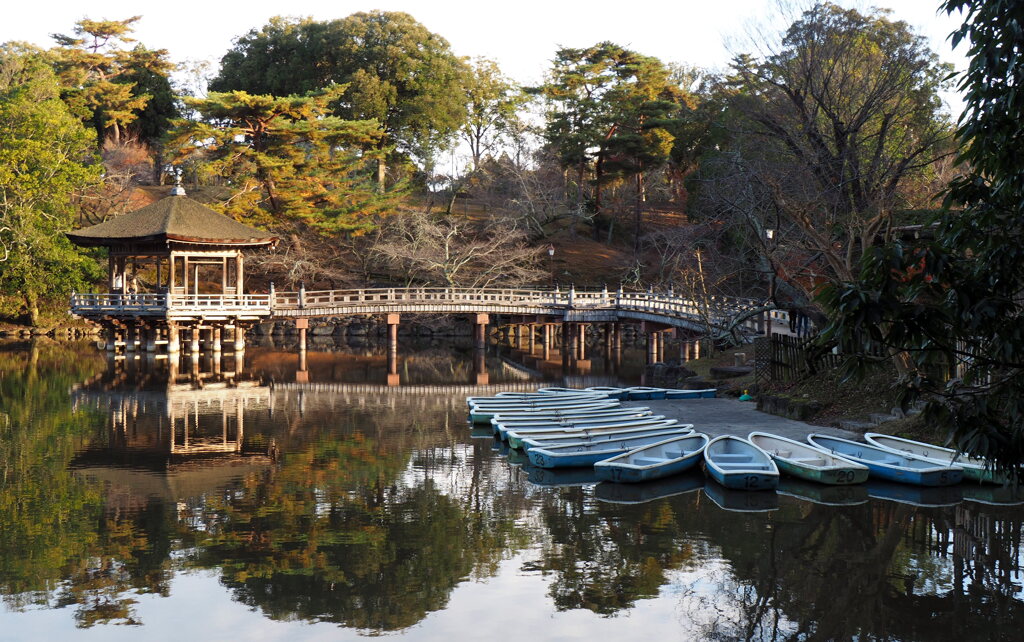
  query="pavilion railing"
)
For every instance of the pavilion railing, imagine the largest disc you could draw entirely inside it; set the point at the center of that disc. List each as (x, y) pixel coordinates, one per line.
(118, 303)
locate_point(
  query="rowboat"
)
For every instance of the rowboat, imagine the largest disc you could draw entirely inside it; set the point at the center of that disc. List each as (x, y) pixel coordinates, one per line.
(809, 462)
(556, 414)
(612, 393)
(922, 496)
(515, 437)
(849, 495)
(974, 467)
(554, 402)
(527, 444)
(483, 414)
(514, 397)
(501, 424)
(645, 392)
(614, 493)
(656, 461)
(736, 463)
(708, 393)
(739, 501)
(885, 464)
(585, 454)
(557, 390)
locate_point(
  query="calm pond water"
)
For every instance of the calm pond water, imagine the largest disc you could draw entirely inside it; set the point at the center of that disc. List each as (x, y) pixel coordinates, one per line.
(277, 502)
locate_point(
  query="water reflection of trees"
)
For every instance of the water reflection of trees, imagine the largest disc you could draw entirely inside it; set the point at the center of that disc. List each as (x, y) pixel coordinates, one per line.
(369, 510)
(879, 570)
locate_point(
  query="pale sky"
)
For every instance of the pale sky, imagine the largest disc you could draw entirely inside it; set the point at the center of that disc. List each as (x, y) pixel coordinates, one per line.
(521, 35)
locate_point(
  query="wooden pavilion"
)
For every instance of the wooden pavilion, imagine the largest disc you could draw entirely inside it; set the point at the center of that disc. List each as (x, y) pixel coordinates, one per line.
(174, 267)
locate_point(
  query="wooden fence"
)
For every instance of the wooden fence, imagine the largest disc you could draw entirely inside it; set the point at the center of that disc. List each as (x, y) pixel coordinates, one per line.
(786, 358)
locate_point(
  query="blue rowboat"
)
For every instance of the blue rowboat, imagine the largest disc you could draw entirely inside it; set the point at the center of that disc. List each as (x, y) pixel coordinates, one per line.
(888, 465)
(613, 393)
(739, 501)
(585, 454)
(515, 438)
(709, 393)
(809, 462)
(645, 392)
(614, 493)
(736, 463)
(656, 461)
(544, 442)
(974, 468)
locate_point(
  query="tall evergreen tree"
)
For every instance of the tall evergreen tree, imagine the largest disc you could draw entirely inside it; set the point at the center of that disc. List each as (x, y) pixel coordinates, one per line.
(113, 87)
(394, 69)
(45, 156)
(286, 159)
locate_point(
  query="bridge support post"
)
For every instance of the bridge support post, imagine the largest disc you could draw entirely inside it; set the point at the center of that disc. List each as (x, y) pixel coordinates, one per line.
(194, 348)
(661, 346)
(216, 335)
(581, 341)
(302, 324)
(393, 321)
(532, 330)
(480, 331)
(129, 337)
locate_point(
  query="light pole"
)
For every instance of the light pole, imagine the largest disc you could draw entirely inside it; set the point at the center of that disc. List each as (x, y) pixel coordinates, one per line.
(551, 262)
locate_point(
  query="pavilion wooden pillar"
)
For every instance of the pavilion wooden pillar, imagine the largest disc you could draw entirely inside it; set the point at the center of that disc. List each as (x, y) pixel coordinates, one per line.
(173, 339)
(532, 329)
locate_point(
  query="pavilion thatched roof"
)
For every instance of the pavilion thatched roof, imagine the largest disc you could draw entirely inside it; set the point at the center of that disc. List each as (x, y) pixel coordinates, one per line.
(175, 218)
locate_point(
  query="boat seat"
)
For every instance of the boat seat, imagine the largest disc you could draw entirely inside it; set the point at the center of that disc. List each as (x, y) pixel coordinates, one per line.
(890, 462)
(674, 454)
(740, 465)
(732, 457)
(814, 461)
(785, 454)
(646, 461)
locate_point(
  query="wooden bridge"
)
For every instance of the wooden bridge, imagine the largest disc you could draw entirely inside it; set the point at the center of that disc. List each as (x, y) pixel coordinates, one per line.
(571, 305)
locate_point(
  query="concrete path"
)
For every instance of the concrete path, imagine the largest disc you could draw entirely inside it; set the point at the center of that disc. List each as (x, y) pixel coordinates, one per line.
(715, 417)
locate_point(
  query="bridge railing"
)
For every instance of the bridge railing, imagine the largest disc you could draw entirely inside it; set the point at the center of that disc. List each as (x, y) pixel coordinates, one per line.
(716, 310)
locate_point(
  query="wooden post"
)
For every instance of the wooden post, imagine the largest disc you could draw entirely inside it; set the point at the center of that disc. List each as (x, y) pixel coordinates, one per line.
(151, 337)
(532, 330)
(216, 336)
(302, 324)
(239, 337)
(480, 331)
(173, 340)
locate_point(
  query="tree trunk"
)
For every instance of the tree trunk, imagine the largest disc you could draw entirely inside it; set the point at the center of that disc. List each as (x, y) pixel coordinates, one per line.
(638, 214)
(32, 308)
(382, 173)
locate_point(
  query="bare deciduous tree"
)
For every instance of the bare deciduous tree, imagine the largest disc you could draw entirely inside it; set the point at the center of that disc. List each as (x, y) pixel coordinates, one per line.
(419, 249)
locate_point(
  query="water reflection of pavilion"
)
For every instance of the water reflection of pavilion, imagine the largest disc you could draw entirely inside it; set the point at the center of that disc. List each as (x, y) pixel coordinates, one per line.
(169, 438)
